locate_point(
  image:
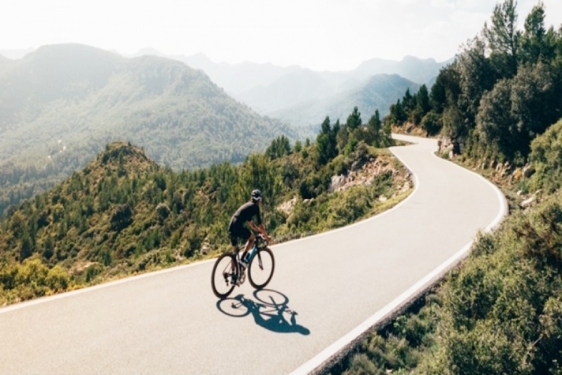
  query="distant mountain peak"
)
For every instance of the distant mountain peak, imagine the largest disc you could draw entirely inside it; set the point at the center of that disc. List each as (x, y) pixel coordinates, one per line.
(15, 54)
(409, 58)
(149, 51)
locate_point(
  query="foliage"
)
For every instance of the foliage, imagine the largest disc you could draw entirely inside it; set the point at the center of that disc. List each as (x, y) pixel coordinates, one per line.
(503, 37)
(412, 108)
(431, 123)
(518, 110)
(500, 311)
(503, 89)
(31, 279)
(546, 156)
(354, 120)
(74, 99)
(399, 346)
(123, 213)
(376, 93)
(326, 142)
(278, 148)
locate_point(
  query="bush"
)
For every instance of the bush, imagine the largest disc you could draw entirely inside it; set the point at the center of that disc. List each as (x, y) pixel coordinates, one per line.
(501, 308)
(431, 123)
(57, 279)
(546, 154)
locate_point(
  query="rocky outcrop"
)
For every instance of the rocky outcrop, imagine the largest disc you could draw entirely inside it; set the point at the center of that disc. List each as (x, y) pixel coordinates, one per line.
(363, 176)
(287, 207)
(532, 200)
(362, 173)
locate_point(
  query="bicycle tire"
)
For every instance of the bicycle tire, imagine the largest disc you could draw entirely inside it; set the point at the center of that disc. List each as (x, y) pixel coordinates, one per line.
(261, 268)
(224, 265)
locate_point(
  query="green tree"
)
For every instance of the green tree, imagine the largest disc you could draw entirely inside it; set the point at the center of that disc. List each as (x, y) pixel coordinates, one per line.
(446, 89)
(502, 37)
(326, 143)
(354, 120)
(422, 100)
(258, 172)
(495, 122)
(375, 123)
(26, 247)
(431, 123)
(536, 101)
(546, 153)
(533, 41)
(397, 113)
(408, 101)
(518, 110)
(453, 121)
(476, 75)
(48, 247)
(375, 130)
(279, 147)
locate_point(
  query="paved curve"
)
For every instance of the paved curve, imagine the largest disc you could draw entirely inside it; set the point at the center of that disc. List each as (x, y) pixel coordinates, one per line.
(324, 287)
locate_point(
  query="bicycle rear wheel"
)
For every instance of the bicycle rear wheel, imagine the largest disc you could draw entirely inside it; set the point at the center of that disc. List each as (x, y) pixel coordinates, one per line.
(261, 268)
(225, 275)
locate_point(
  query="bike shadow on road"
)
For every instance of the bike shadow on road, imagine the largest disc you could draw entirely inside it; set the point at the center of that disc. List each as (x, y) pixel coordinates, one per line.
(268, 307)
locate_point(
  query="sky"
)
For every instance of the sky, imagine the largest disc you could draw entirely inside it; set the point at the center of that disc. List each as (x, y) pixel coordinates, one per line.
(316, 34)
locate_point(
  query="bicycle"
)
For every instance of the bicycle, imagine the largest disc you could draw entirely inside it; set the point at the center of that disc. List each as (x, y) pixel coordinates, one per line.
(229, 271)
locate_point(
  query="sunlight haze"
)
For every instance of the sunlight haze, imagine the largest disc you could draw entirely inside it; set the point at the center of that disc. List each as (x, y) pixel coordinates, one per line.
(320, 35)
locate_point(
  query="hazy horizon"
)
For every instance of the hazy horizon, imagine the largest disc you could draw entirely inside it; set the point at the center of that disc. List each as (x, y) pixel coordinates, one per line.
(16, 54)
(330, 35)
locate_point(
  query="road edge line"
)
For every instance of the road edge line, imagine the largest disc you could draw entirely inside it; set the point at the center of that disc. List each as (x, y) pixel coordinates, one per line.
(427, 281)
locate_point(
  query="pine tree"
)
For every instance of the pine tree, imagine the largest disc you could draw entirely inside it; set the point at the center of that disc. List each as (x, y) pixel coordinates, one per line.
(422, 100)
(503, 38)
(326, 142)
(374, 127)
(354, 120)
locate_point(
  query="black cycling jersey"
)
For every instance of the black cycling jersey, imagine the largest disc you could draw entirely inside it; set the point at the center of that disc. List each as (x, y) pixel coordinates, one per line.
(247, 212)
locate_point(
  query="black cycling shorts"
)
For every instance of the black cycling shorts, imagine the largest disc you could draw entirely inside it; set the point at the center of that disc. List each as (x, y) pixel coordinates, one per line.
(237, 231)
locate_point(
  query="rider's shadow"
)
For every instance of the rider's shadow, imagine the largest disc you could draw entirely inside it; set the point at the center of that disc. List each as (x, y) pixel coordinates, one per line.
(269, 309)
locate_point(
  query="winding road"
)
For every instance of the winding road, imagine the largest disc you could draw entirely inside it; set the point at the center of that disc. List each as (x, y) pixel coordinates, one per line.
(326, 290)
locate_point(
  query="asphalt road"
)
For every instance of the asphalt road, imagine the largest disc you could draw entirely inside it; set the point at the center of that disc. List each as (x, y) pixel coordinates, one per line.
(325, 289)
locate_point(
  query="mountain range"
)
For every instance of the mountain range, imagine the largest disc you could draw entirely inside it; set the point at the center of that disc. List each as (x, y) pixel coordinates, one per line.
(376, 93)
(75, 94)
(302, 97)
(61, 104)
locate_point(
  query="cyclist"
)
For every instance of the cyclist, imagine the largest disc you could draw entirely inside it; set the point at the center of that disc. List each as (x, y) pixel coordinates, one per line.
(246, 214)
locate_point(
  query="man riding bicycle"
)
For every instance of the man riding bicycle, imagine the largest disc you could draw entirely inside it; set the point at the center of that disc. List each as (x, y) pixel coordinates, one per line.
(245, 214)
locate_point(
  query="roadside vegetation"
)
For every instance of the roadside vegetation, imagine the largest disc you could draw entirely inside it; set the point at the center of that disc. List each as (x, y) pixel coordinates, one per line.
(497, 109)
(124, 214)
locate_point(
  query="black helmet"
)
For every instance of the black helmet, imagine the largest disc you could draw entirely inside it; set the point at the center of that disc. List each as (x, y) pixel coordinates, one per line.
(256, 195)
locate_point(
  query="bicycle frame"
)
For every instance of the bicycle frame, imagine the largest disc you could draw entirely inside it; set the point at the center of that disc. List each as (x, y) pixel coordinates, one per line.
(253, 251)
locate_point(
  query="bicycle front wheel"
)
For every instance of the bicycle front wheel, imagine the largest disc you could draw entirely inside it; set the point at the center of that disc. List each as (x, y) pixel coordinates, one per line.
(225, 275)
(261, 269)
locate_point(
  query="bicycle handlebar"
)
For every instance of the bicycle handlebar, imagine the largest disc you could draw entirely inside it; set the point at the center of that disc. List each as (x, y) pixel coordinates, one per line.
(262, 238)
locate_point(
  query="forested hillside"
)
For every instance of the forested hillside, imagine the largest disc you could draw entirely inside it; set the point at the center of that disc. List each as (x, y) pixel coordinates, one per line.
(500, 311)
(60, 104)
(302, 96)
(502, 90)
(124, 214)
(375, 94)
